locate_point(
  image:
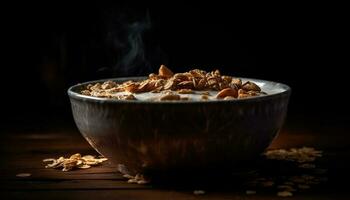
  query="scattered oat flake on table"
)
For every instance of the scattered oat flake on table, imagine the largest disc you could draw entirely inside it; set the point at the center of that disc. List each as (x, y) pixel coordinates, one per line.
(301, 155)
(284, 194)
(75, 161)
(139, 179)
(22, 175)
(198, 192)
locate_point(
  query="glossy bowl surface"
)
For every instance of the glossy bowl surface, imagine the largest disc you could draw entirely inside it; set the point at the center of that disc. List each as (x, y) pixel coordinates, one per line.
(164, 137)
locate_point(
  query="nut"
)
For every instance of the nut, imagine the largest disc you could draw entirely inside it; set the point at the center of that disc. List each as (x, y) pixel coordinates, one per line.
(165, 72)
(227, 92)
(248, 86)
(132, 87)
(237, 82)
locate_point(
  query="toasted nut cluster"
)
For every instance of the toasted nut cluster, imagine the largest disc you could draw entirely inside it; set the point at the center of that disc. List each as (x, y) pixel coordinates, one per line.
(74, 161)
(183, 83)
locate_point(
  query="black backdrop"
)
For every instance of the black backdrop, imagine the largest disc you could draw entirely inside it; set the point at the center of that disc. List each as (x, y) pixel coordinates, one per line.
(51, 46)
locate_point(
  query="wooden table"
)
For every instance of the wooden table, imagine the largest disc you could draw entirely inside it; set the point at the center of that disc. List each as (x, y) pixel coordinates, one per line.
(23, 152)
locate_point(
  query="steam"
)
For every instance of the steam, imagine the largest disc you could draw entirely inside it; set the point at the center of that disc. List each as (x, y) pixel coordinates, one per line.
(127, 38)
(135, 54)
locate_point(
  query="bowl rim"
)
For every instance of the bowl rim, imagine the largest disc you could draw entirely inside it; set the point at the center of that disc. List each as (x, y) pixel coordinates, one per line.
(78, 96)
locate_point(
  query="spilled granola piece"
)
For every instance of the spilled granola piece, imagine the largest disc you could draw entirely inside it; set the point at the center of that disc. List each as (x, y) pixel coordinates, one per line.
(75, 161)
(23, 175)
(198, 192)
(300, 155)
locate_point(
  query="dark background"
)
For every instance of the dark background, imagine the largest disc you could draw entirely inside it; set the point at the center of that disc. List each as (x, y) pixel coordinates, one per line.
(51, 46)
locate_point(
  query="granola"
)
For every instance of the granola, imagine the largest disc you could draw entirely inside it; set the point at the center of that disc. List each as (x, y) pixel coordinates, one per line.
(137, 179)
(192, 85)
(74, 161)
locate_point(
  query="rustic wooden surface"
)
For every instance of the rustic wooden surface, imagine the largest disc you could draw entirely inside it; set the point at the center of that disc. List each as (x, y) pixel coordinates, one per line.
(23, 152)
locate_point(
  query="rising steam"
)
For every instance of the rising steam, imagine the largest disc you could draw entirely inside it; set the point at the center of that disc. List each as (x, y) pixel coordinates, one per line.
(127, 37)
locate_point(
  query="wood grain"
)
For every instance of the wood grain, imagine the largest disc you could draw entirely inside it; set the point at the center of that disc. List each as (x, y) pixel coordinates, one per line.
(24, 152)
